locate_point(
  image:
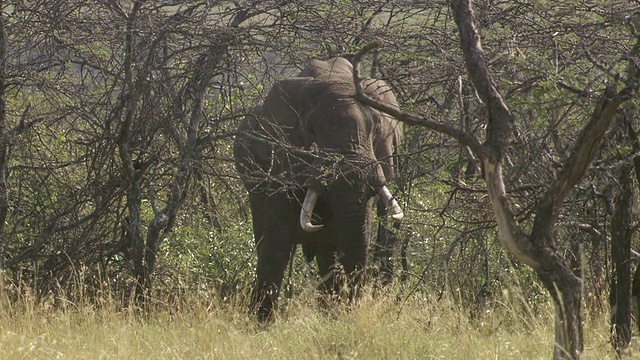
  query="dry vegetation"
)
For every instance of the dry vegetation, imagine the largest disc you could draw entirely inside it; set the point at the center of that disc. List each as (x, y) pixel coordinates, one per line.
(379, 327)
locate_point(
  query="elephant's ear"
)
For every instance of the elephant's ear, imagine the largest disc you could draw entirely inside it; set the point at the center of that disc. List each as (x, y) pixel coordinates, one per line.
(284, 107)
(380, 90)
(390, 133)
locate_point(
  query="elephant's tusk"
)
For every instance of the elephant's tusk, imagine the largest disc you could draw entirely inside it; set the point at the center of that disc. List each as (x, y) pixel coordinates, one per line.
(393, 209)
(307, 210)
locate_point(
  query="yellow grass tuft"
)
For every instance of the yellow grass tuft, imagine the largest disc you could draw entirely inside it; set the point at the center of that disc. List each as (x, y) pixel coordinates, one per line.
(378, 327)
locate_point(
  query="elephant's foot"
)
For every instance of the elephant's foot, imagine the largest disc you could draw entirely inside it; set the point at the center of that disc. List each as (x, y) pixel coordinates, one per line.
(262, 304)
(338, 287)
(264, 315)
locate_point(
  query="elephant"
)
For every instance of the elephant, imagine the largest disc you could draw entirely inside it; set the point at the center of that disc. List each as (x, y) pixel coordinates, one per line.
(312, 159)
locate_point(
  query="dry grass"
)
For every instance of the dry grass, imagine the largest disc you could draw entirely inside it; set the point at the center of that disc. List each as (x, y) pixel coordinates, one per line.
(377, 328)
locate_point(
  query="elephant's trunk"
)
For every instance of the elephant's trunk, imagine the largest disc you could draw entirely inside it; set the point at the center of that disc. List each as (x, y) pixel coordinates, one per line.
(353, 226)
(376, 180)
(307, 210)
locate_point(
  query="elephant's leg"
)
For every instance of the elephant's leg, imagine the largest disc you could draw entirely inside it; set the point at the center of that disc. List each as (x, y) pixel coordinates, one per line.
(274, 252)
(383, 249)
(272, 262)
(257, 204)
(327, 268)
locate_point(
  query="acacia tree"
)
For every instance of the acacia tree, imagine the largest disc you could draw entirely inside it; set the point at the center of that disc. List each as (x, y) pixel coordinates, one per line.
(536, 247)
(127, 118)
(33, 106)
(169, 57)
(129, 105)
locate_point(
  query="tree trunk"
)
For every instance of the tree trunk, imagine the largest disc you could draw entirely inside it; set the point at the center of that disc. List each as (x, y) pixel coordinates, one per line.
(4, 196)
(129, 101)
(208, 202)
(622, 230)
(630, 115)
(635, 291)
(621, 234)
(566, 290)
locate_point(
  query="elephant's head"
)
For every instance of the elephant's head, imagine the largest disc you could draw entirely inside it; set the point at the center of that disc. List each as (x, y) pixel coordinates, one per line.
(355, 149)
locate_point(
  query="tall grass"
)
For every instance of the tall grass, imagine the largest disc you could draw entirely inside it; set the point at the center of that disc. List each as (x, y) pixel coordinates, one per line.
(200, 327)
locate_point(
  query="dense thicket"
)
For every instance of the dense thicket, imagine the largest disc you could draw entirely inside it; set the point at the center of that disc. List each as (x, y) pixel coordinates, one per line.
(116, 119)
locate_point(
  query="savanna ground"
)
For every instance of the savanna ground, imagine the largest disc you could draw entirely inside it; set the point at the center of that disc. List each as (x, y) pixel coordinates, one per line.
(198, 326)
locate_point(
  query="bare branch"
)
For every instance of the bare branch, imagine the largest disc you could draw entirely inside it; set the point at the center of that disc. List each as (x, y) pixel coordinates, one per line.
(463, 137)
(500, 127)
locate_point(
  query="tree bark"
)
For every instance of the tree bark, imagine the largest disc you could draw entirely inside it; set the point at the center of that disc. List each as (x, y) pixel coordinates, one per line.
(4, 195)
(621, 234)
(129, 99)
(630, 115)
